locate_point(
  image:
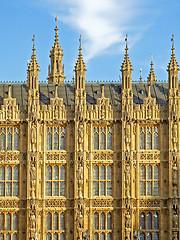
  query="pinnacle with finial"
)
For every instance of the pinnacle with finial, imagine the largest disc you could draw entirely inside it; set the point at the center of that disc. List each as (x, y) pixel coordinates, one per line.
(173, 64)
(80, 63)
(152, 77)
(33, 63)
(126, 65)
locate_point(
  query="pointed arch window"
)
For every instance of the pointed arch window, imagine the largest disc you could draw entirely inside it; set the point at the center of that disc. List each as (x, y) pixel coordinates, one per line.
(102, 225)
(149, 225)
(149, 138)
(55, 226)
(102, 138)
(149, 180)
(55, 180)
(102, 180)
(9, 138)
(55, 138)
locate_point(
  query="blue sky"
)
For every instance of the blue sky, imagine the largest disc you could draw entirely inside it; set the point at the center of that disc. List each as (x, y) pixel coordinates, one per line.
(103, 25)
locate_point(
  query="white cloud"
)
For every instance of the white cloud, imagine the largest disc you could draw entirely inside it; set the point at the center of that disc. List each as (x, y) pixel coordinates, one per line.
(103, 23)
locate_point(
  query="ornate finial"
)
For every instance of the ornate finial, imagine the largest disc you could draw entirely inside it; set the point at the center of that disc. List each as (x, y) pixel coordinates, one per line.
(172, 40)
(126, 40)
(33, 40)
(103, 90)
(80, 41)
(56, 91)
(9, 90)
(140, 79)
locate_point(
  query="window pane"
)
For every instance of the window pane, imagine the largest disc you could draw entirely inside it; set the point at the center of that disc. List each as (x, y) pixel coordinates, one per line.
(102, 236)
(109, 141)
(149, 172)
(149, 221)
(62, 237)
(102, 221)
(16, 141)
(156, 188)
(95, 236)
(48, 236)
(149, 188)
(9, 141)
(62, 222)
(156, 172)
(109, 236)
(95, 222)
(142, 173)
(1, 221)
(15, 173)
(149, 141)
(8, 237)
(109, 173)
(102, 173)
(8, 189)
(2, 175)
(156, 236)
(48, 221)
(96, 141)
(102, 141)
(109, 188)
(109, 221)
(55, 173)
(55, 188)
(2, 189)
(102, 188)
(55, 221)
(142, 188)
(149, 236)
(14, 236)
(8, 221)
(142, 221)
(8, 173)
(155, 141)
(55, 236)
(62, 173)
(49, 141)
(142, 237)
(62, 146)
(49, 173)
(62, 189)
(56, 141)
(156, 221)
(142, 141)
(2, 142)
(15, 189)
(15, 221)
(95, 173)
(48, 189)
(95, 188)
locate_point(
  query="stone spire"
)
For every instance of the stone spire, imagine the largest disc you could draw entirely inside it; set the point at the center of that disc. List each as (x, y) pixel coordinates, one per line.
(173, 69)
(80, 69)
(33, 69)
(152, 77)
(56, 68)
(126, 70)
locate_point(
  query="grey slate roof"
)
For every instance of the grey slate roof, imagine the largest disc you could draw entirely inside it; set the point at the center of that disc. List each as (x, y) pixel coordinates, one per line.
(93, 91)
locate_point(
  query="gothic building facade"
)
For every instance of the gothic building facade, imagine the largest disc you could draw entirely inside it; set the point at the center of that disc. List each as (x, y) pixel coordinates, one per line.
(89, 161)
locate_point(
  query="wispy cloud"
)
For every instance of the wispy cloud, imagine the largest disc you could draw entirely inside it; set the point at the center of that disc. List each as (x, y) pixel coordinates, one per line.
(103, 23)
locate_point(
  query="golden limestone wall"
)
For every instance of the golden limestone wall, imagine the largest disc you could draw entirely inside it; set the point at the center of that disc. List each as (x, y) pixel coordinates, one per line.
(71, 198)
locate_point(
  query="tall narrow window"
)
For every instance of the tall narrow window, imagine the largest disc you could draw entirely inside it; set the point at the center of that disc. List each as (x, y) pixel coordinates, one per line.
(15, 222)
(55, 221)
(55, 181)
(2, 181)
(48, 221)
(48, 181)
(102, 226)
(16, 138)
(149, 221)
(2, 138)
(62, 221)
(149, 137)
(149, 140)
(8, 221)
(156, 220)
(142, 141)
(109, 221)
(142, 221)
(149, 227)
(62, 146)
(102, 180)
(1, 221)
(102, 221)
(62, 181)
(9, 138)
(96, 221)
(55, 138)
(49, 138)
(102, 138)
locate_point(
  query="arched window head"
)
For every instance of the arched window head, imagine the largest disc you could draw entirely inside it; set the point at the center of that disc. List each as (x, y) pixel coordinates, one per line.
(149, 236)
(49, 173)
(156, 221)
(8, 221)
(142, 221)
(62, 221)
(56, 141)
(96, 141)
(55, 173)
(109, 236)
(109, 221)
(149, 172)
(62, 237)
(55, 236)
(142, 173)
(14, 237)
(142, 141)
(62, 173)
(149, 141)
(95, 236)
(102, 141)
(95, 173)
(142, 236)
(156, 236)
(62, 143)
(102, 173)
(48, 236)
(15, 222)
(8, 237)
(102, 236)
(149, 221)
